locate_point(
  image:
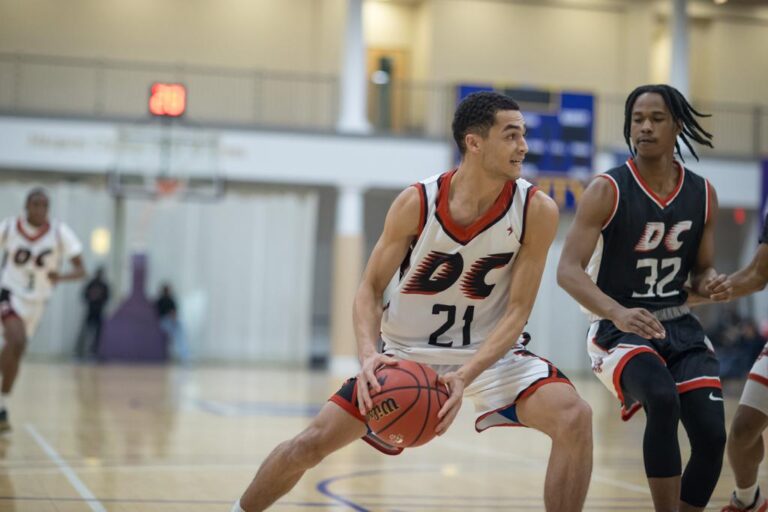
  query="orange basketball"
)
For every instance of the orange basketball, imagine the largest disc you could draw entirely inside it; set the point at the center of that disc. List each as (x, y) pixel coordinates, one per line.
(404, 412)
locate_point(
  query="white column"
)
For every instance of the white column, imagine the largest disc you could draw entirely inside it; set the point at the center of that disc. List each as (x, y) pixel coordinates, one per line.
(347, 268)
(678, 75)
(353, 86)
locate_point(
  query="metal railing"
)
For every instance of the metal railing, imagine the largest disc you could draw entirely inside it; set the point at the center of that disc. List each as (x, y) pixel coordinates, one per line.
(115, 89)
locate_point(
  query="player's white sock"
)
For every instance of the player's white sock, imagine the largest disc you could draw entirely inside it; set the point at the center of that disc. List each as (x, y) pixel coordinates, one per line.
(748, 495)
(237, 508)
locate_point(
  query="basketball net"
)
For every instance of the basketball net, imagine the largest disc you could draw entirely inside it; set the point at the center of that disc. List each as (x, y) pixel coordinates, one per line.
(166, 191)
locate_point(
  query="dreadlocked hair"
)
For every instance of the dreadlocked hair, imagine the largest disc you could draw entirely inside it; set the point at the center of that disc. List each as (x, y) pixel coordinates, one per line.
(682, 112)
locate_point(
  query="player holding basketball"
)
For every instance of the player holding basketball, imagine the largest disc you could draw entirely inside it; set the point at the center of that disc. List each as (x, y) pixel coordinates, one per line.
(470, 246)
(745, 441)
(641, 229)
(33, 248)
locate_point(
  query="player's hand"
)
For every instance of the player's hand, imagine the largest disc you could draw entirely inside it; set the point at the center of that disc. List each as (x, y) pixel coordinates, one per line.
(719, 288)
(53, 277)
(367, 379)
(455, 384)
(639, 321)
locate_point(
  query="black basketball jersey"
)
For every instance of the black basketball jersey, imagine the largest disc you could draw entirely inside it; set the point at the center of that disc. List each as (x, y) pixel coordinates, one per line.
(648, 246)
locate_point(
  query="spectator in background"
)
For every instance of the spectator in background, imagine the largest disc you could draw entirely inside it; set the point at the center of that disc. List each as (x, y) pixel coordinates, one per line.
(752, 342)
(737, 343)
(95, 295)
(169, 322)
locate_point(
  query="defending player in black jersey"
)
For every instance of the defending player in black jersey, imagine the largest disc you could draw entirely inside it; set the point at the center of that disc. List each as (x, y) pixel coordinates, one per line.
(641, 231)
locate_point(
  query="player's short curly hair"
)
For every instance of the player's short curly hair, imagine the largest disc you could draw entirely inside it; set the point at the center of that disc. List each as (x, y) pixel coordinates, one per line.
(476, 113)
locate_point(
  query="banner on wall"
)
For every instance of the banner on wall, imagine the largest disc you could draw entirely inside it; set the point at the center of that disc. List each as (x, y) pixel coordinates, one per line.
(560, 136)
(763, 193)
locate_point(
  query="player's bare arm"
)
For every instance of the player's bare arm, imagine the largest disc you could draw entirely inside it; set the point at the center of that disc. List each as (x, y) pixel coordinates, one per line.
(400, 228)
(525, 279)
(77, 272)
(595, 208)
(705, 281)
(753, 277)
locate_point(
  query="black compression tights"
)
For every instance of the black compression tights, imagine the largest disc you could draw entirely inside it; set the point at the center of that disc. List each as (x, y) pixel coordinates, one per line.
(647, 380)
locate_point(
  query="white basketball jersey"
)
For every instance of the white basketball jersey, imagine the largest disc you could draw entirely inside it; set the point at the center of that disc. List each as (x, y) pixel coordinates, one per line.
(30, 255)
(453, 286)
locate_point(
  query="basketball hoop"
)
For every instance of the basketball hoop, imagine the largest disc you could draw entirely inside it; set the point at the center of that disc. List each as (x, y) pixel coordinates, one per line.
(167, 188)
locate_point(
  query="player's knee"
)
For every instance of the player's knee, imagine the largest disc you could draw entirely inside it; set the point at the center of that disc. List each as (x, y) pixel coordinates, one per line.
(576, 422)
(663, 401)
(308, 449)
(708, 437)
(743, 433)
(17, 345)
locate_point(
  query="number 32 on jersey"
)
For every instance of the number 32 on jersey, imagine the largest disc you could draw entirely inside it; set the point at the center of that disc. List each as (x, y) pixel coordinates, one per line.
(661, 271)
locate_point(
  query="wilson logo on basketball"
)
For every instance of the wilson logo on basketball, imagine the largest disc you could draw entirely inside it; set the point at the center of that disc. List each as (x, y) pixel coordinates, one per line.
(385, 408)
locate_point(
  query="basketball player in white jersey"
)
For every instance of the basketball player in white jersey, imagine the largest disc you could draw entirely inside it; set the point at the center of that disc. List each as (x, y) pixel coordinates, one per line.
(34, 248)
(746, 448)
(469, 248)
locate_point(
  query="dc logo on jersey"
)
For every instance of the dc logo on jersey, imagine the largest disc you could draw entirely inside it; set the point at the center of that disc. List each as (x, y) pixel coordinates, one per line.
(23, 255)
(438, 271)
(653, 235)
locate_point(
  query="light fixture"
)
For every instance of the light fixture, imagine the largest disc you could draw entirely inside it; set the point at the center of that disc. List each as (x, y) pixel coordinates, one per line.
(720, 2)
(100, 241)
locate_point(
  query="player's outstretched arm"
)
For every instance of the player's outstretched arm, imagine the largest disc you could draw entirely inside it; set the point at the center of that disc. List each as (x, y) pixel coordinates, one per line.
(705, 281)
(400, 229)
(77, 271)
(540, 230)
(594, 210)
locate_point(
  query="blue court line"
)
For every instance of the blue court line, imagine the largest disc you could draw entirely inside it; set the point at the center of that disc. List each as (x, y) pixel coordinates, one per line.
(323, 485)
(323, 488)
(221, 408)
(484, 498)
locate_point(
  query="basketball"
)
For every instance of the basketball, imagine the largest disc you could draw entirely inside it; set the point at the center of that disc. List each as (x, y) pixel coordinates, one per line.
(404, 412)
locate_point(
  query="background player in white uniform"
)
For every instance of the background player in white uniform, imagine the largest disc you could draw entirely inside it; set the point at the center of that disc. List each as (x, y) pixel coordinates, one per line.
(471, 246)
(745, 440)
(34, 248)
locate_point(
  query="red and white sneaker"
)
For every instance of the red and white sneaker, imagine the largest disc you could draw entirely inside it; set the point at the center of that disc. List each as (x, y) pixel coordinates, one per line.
(759, 505)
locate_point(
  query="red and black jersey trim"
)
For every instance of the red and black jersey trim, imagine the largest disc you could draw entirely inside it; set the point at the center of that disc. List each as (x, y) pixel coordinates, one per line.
(758, 378)
(465, 234)
(406, 263)
(528, 197)
(423, 207)
(37, 236)
(662, 202)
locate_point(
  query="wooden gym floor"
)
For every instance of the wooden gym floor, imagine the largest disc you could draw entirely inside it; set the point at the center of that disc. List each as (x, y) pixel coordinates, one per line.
(163, 438)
